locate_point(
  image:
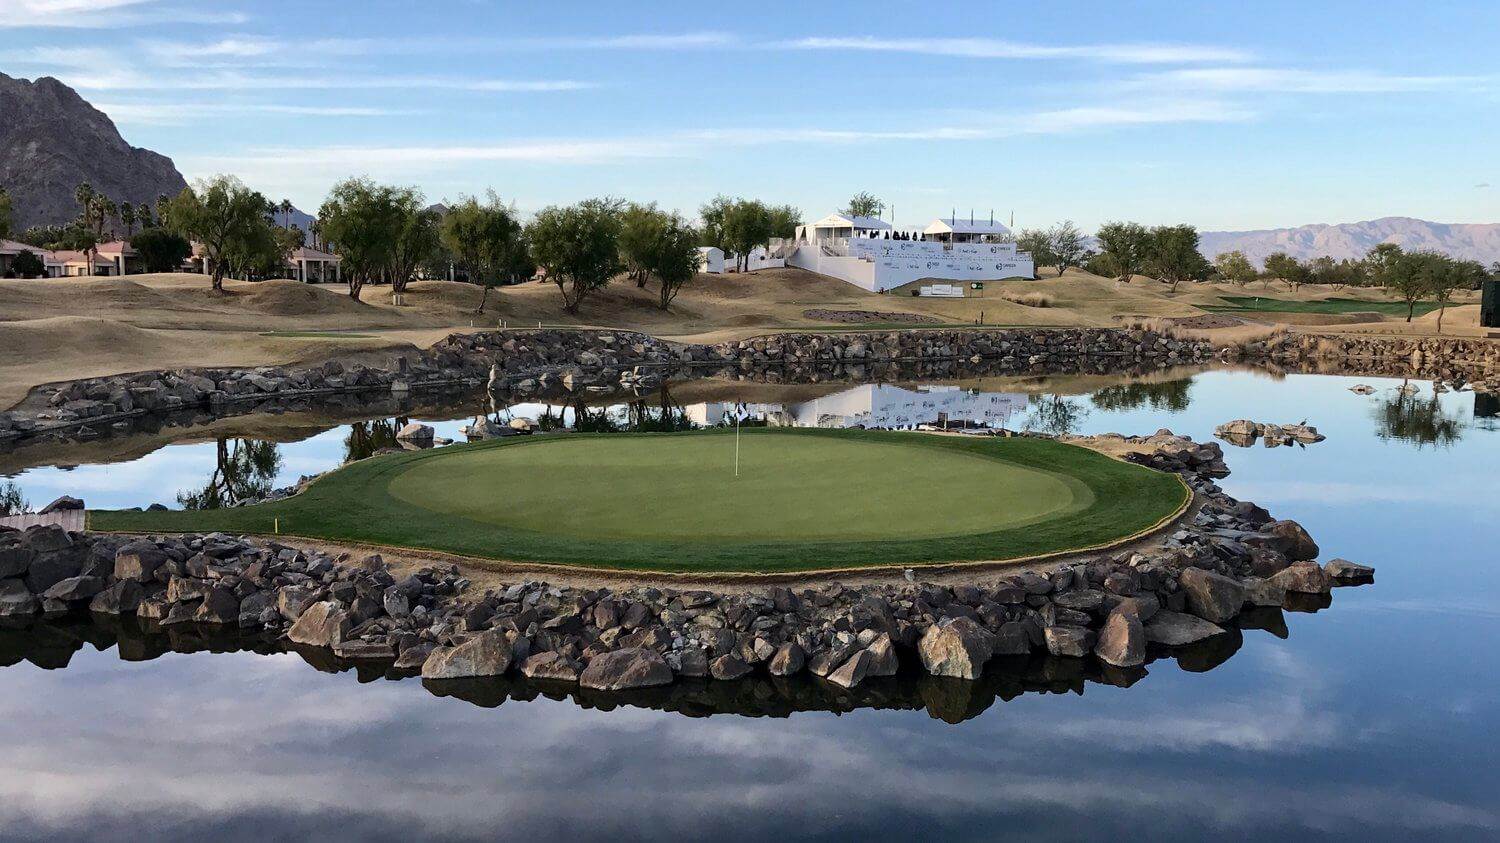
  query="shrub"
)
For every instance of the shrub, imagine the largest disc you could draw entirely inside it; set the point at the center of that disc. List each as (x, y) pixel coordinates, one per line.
(1029, 299)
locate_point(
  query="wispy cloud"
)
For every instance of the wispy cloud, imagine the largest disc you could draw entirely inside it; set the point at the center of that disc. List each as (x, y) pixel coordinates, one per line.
(1303, 81)
(991, 48)
(99, 14)
(187, 113)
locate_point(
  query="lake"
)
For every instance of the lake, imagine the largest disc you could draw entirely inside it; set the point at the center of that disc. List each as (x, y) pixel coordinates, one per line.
(1370, 719)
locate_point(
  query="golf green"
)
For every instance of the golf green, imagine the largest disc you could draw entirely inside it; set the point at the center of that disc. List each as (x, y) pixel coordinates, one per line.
(803, 499)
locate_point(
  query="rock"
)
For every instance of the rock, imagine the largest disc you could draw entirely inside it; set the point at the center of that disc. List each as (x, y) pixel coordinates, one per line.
(883, 660)
(138, 561)
(1303, 577)
(15, 560)
(958, 647)
(1012, 640)
(728, 666)
(693, 662)
(853, 671)
(788, 660)
(1175, 629)
(293, 600)
(416, 432)
(1122, 641)
(219, 606)
(551, 666)
(16, 600)
(323, 624)
(486, 654)
(62, 504)
(1342, 570)
(74, 589)
(1072, 641)
(1262, 592)
(1213, 597)
(362, 650)
(621, 670)
(1295, 542)
(121, 598)
(414, 656)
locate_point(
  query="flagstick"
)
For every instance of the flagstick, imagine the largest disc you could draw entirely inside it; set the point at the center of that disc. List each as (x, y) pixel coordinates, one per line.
(736, 444)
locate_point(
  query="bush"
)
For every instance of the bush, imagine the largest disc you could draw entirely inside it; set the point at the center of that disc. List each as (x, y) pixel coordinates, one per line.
(28, 265)
(1029, 299)
(161, 250)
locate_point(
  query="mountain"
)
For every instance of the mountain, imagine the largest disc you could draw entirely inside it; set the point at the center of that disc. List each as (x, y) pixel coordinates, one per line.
(1479, 242)
(51, 139)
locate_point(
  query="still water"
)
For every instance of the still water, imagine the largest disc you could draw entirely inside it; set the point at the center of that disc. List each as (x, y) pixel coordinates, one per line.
(1371, 719)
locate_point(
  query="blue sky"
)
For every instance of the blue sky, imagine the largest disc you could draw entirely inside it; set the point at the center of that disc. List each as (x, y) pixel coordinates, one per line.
(1227, 116)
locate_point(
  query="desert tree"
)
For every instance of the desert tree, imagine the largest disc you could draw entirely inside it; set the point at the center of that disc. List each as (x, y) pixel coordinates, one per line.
(747, 224)
(674, 258)
(161, 250)
(784, 220)
(417, 238)
(1128, 246)
(578, 246)
(1067, 245)
(1235, 268)
(1174, 257)
(227, 219)
(27, 265)
(1381, 259)
(1280, 265)
(127, 218)
(1038, 244)
(864, 204)
(711, 214)
(486, 241)
(641, 228)
(364, 219)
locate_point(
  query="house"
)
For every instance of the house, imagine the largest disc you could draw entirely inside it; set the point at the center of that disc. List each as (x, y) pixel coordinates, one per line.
(873, 255)
(9, 249)
(122, 258)
(711, 260)
(312, 266)
(78, 263)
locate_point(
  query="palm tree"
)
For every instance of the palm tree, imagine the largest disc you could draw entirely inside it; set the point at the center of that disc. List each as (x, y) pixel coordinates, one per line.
(286, 213)
(127, 218)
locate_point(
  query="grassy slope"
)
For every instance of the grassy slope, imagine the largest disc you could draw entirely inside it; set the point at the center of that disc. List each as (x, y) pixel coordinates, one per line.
(355, 504)
(1261, 304)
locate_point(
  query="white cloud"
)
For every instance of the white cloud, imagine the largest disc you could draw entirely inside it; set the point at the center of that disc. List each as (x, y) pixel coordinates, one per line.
(992, 48)
(1300, 81)
(98, 14)
(182, 114)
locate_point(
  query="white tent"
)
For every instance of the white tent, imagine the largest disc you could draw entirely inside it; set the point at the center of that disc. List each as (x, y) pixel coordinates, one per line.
(711, 259)
(966, 231)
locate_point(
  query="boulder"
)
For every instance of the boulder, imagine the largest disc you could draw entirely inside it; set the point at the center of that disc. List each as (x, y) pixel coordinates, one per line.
(219, 606)
(1304, 578)
(788, 660)
(883, 660)
(853, 671)
(1012, 640)
(1262, 592)
(1175, 629)
(1072, 641)
(121, 598)
(1213, 597)
(363, 650)
(323, 624)
(728, 666)
(62, 504)
(1342, 570)
(15, 559)
(620, 670)
(416, 432)
(958, 647)
(1122, 641)
(74, 589)
(16, 600)
(138, 561)
(693, 662)
(293, 600)
(1294, 541)
(486, 654)
(551, 666)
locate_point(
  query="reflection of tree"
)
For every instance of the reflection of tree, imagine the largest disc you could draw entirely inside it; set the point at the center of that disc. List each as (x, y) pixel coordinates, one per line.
(588, 419)
(368, 437)
(12, 502)
(1054, 414)
(666, 417)
(1170, 396)
(1412, 418)
(244, 470)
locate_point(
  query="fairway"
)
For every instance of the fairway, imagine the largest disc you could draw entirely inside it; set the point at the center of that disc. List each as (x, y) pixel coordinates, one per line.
(1262, 304)
(803, 500)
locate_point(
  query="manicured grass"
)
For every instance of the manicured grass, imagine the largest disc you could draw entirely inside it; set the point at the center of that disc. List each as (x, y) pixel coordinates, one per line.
(1263, 304)
(805, 499)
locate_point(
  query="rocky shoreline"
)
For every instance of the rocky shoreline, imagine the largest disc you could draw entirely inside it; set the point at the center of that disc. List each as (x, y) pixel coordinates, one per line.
(1229, 557)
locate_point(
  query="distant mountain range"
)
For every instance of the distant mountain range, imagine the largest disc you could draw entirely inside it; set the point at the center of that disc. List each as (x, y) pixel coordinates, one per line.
(51, 139)
(1479, 242)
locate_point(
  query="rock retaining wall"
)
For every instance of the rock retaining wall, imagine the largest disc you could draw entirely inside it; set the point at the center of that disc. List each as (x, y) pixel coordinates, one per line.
(1229, 556)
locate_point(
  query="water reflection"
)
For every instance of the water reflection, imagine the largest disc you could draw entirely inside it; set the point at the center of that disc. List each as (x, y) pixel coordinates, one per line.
(1406, 415)
(1172, 396)
(244, 470)
(1055, 414)
(367, 438)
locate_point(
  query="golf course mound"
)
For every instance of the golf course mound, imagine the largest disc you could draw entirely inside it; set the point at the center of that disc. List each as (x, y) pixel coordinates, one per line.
(801, 500)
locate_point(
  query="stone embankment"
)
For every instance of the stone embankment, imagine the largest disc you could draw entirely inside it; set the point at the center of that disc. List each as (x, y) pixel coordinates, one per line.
(1452, 359)
(530, 362)
(1244, 432)
(1227, 557)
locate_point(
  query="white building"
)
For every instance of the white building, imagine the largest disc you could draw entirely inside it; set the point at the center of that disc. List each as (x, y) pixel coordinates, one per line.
(881, 406)
(871, 254)
(711, 260)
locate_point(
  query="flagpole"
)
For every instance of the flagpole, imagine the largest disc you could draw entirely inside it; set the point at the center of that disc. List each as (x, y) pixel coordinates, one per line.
(737, 442)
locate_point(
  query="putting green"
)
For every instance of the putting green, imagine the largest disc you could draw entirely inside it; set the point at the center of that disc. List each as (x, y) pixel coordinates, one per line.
(804, 499)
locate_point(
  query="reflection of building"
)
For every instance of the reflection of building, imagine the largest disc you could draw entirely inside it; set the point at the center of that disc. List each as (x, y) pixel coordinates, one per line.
(869, 253)
(878, 406)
